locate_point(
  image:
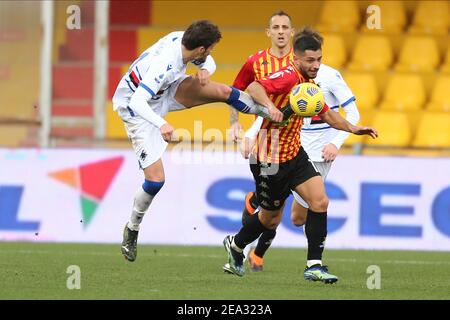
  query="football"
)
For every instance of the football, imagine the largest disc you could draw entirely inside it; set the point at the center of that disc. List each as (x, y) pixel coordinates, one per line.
(306, 99)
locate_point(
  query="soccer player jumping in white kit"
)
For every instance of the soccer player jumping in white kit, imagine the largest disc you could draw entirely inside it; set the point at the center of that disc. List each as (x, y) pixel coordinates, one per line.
(155, 84)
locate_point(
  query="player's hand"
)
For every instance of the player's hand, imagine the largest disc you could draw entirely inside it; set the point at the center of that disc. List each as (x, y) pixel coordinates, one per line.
(236, 131)
(329, 152)
(247, 146)
(166, 132)
(365, 131)
(203, 76)
(275, 114)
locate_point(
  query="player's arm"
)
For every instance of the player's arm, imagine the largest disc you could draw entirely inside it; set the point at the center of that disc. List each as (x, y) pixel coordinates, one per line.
(259, 94)
(249, 140)
(346, 99)
(206, 69)
(352, 116)
(147, 89)
(278, 83)
(335, 120)
(245, 76)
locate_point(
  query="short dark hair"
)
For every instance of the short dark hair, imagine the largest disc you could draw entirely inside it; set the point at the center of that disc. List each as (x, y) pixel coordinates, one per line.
(201, 33)
(307, 39)
(280, 13)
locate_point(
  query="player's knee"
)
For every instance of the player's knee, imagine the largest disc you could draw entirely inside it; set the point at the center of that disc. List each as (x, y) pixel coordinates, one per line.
(270, 219)
(297, 220)
(152, 187)
(223, 91)
(320, 204)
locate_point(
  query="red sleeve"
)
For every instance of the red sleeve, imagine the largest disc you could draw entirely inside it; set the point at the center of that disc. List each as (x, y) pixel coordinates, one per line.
(245, 76)
(280, 82)
(324, 109)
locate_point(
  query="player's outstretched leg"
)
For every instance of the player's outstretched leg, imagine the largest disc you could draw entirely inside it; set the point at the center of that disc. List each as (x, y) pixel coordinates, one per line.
(191, 93)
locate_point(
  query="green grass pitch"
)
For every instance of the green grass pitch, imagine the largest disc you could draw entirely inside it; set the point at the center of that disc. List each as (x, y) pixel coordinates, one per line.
(38, 271)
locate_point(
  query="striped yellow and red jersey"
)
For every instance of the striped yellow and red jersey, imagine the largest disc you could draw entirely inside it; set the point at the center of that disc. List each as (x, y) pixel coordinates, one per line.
(259, 65)
(280, 143)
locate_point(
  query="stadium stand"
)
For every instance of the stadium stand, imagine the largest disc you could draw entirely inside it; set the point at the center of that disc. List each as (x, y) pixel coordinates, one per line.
(401, 68)
(431, 17)
(372, 53)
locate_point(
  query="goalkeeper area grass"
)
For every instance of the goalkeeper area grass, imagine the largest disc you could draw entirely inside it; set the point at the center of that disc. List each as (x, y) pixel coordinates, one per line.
(45, 271)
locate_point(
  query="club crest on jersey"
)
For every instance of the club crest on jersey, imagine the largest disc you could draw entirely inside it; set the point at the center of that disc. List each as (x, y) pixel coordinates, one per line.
(169, 67)
(143, 155)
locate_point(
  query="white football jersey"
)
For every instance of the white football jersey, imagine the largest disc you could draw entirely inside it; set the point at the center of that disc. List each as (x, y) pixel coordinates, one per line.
(315, 133)
(155, 70)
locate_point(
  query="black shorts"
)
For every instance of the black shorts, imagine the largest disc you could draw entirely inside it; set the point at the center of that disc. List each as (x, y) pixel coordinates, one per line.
(274, 182)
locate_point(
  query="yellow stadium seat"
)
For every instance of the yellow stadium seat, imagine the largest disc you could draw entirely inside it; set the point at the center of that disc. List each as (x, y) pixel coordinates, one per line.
(431, 17)
(446, 66)
(225, 75)
(418, 54)
(365, 119)
(393, 17)
(393, 129)
(440, 99)
(364, 87)
(434, 131)
(333, 51)
(339, 16)
(372, 52)
(404, 92)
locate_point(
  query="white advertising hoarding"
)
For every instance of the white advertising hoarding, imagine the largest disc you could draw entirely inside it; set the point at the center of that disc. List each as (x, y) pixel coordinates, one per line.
(79, 195)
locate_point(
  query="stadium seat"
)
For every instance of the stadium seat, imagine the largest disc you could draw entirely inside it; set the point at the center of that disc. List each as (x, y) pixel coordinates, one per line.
(404, 92)
(372, 52)
(418, 54)
(431, 17)
(364, 87)
(339, 16)
(393, 17)
(434, 131)
(333, 51)
(393, 129)
(446, 66)
(440, 99)
(365, 118)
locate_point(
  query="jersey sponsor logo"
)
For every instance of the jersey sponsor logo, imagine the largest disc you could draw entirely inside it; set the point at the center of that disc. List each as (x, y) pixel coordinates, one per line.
(277, 75)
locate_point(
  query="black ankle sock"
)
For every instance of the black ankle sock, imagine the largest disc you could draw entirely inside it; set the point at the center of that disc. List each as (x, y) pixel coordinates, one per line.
(316, 232)
(264, 242)
(250, 231)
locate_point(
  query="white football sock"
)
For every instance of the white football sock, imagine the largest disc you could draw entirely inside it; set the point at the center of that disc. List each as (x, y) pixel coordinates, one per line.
(142, 201)
(310, 263)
